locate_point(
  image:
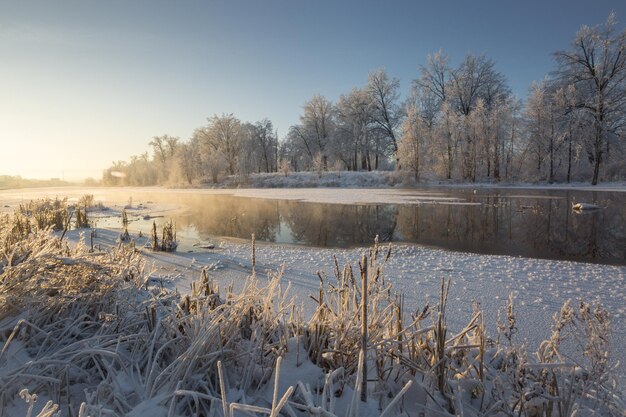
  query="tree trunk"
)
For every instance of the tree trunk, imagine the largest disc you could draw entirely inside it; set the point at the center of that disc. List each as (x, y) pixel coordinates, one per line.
(449, 161)
(596, 171)
(569, 153)
(417, 162)
(267, 163)
(597, 145)
(496, 160)
(551, 173)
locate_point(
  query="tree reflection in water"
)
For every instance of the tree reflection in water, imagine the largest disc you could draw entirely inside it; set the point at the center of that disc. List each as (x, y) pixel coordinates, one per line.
(535, 223)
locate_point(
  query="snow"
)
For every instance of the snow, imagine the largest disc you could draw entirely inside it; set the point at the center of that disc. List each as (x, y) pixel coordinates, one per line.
(540, 287)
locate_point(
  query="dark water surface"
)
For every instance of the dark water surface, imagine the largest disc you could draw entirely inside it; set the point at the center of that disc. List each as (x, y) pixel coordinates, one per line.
(524, 222)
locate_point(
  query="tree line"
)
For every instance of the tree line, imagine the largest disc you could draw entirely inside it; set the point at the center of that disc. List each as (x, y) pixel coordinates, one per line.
(457, 123)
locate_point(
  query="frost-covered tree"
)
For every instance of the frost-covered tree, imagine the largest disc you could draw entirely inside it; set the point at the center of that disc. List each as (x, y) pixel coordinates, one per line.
(448, 136)
(414, 135)
(572, 127)
(223, 136)
(458, 123)
(318, 125)
(479, 128)
(294, 149)
(541, 119)
(188, 163)
(431, 92)
(435, 77)
(447, 97)
(509, 144)
(316, 128)
(470, 80)
(354, 118)
(164, 148)
(474, 81)
(263, 145)
(158, 148)
(143, 171)
(596, 66)
(387, 112)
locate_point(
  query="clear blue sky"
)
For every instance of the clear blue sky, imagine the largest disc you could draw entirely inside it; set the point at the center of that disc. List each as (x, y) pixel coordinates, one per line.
(83, 83)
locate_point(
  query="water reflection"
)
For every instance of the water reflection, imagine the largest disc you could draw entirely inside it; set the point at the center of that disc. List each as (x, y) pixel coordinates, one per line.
(532, 226)
(536, 223)
(279, 221)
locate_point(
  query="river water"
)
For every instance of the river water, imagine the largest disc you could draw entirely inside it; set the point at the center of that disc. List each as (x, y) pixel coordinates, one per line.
(519, 222)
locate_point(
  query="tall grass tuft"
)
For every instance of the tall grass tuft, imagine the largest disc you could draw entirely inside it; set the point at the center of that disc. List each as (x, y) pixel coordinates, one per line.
(168, 242)
(47, 213)
(124, 236)
(87, 201)
(81, 217)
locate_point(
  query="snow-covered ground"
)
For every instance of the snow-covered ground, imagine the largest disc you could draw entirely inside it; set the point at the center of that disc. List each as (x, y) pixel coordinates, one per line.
(540, 286)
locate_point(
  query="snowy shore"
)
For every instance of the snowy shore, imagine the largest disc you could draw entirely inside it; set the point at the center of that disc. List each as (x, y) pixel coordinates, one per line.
(540, 287)
(386, 179)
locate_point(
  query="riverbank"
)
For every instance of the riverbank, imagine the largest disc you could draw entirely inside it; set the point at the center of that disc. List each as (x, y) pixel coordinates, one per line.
(383, 179)
(540, 287)
(290, 277)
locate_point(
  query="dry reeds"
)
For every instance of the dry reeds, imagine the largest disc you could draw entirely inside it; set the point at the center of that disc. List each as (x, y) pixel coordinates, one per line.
(47, 213)
(168, 242)
(82, 220)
